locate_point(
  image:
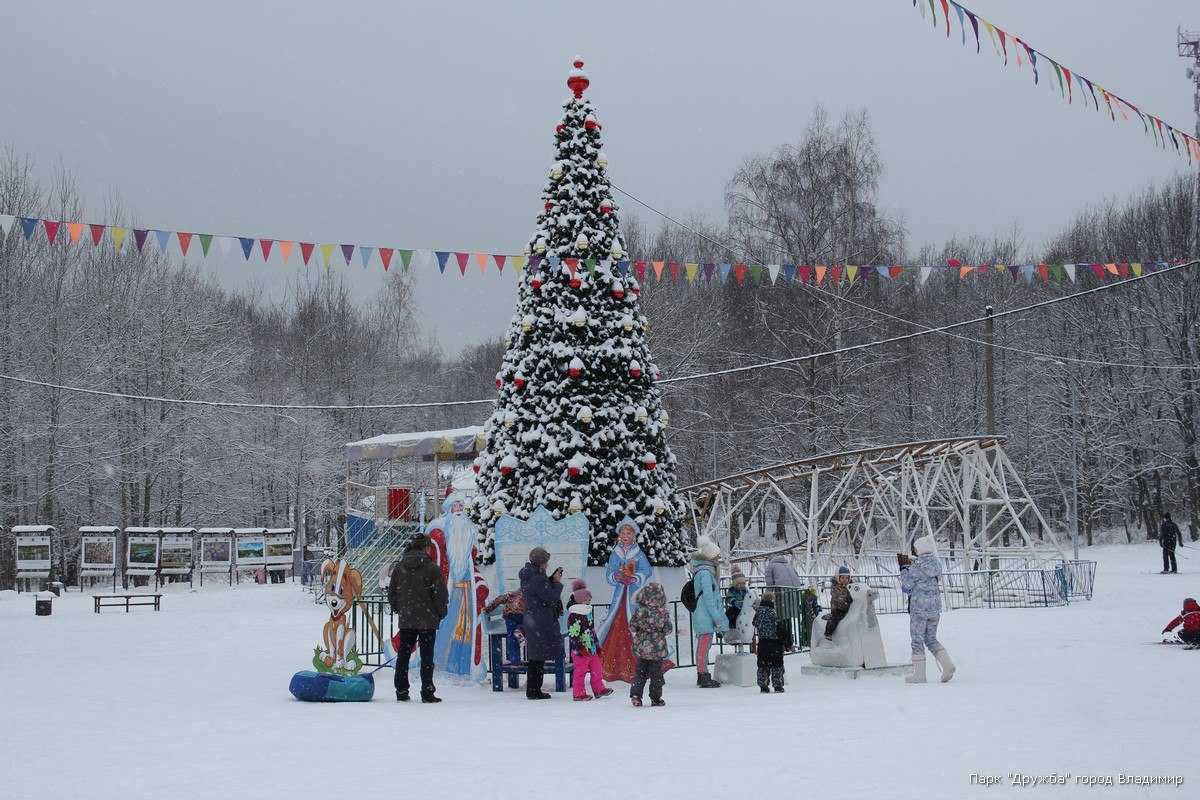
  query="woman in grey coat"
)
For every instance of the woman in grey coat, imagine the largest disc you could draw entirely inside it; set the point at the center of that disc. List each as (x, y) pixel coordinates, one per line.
(919, 580)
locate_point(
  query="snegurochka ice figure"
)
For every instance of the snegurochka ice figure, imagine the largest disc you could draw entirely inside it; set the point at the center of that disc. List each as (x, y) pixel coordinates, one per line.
(627, 571)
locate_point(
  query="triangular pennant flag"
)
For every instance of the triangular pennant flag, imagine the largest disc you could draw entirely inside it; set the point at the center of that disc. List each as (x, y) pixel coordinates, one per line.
(1112, 269)
(1069, 269)
(365, 254)
(553, 263)
(462, 259)
(820, 270)
(1026, 273)
(51, 229)
(723, 271)
(756, 273)
(285, 249)
(805, 273)
(739, 273)
(658, 268)
(1098, 270)
(1043, 272)
(224, 244)
(481, 259)
(923, 275)
(6, 223)
(572, 265)
(639, 269)
(306, 251)
(385, 255)
(28, 226)
(623, 268)
(499, 262)
(590, 264)
(946, 14)
(773, 272)
(74, 229)
(690, 269)
(347, 253)
(97, 232)
(442, 255)
(518, 263)
(139, 238)
(964, 271)
(265, 246)
(1014, 271)
(881, 271)
(1136, 267)
(185, 241)
(326, 253)
(164, 239)
(205, 242)
(247, 243)
(895, 271)
(789, 273)
(673, 270)
(118, 237)
(851, 273)
(406, 258)
(708, 272)
(1057, 273)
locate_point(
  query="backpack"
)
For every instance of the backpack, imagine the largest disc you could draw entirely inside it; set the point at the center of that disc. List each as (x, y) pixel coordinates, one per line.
(688, 596)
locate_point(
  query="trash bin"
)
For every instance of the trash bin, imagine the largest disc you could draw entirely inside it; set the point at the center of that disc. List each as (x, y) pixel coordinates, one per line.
(56, 587)
(41, 606)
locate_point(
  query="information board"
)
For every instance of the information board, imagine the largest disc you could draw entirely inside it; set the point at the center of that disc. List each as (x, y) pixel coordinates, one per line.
(279, 549)
(141, 555)
(566, 540)
(33, 555)
(176, 555)
(251, 549)
(97, 554)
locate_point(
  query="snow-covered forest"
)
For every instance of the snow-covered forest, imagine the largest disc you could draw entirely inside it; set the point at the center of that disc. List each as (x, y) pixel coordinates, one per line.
(141, 323)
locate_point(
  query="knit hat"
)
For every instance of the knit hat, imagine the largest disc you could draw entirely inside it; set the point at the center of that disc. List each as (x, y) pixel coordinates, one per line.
(580, 592)
(707, 549)
(737, 576)
(768, 597)
(418, 542)
(843, 570)
(925, 545)
(539, 557)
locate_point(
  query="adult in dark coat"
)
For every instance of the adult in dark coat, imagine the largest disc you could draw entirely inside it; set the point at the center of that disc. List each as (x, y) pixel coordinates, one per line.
(543, 607)
(418, 598)
(1168, 537)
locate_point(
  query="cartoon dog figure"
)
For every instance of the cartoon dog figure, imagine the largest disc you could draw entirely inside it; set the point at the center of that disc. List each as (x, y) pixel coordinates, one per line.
(343, 583)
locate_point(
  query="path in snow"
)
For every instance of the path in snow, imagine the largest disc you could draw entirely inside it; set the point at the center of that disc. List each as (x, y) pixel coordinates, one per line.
(192, 702)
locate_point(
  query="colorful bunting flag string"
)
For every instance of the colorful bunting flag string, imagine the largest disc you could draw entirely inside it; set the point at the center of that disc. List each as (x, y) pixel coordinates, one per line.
(1067, 80)
(66, 234)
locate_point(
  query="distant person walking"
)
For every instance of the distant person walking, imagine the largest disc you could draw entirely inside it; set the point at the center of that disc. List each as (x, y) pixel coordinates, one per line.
(1168, 537)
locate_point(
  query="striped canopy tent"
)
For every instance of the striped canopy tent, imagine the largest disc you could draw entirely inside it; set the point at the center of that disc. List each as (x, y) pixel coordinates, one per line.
(456, 444)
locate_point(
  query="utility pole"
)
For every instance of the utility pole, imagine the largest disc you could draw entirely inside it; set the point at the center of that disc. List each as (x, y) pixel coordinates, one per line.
(1189, 48)
(988, 382)
(1074, 472)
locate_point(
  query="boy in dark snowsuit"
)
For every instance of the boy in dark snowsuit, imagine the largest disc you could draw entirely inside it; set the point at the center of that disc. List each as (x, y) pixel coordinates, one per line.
(774, 636)
(649, 627)
(1190, 619)
(839, 600)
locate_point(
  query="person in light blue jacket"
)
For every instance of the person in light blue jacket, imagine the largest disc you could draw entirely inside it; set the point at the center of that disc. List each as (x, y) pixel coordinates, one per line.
(919, 580)
(709, 616)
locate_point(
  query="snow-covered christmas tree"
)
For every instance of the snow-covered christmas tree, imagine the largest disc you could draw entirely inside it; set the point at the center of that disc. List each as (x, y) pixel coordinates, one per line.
(579, 425)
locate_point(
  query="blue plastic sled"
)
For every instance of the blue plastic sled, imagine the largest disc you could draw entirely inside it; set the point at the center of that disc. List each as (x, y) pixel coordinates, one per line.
(321, 687)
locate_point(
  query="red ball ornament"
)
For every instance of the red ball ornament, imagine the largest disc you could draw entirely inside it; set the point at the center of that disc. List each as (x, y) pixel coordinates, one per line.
(548, 205)
(574, 471)
(506, 470)
(590, 123)
(535, 283)
(650, 462)
(577, 81)
(618, 293)
(559, 128)
(605, 207)
(475, 466)
(574, 372)
(576, 282)
(635, 289)
(634, 372)
(519, 383)
(499, 383)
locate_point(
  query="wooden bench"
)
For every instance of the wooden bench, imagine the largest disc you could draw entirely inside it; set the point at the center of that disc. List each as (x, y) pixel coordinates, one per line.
(127, 600)
(559, 666)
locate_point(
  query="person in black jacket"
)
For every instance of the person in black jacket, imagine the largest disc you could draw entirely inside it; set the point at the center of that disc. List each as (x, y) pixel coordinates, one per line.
(418, 598)
(543, 607)
(1168, 537)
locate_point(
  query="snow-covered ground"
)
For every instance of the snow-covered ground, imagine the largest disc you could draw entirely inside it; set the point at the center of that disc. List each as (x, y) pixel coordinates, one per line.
(192, 702)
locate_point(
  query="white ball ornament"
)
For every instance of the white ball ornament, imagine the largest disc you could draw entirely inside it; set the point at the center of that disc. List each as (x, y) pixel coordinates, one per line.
(627, 323)
(540, 247)
(576, 506)
(581, 243)
(641, 415)
(617, 251)
(579, 318)
(585, 415)
(499, 508)
(602, 161)
(527, 322)
(556, 172)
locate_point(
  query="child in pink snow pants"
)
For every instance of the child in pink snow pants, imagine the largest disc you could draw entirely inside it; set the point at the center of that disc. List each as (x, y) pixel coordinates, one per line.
(585, 650)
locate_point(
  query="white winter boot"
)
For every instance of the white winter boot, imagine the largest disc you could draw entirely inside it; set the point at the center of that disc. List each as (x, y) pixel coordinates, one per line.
(918, 671)
(946, 665)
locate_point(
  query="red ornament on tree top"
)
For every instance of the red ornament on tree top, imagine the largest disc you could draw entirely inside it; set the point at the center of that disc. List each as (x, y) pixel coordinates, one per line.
(577, 81)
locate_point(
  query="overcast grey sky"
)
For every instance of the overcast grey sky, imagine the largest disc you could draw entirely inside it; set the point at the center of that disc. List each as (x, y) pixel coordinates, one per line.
(429, 124)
